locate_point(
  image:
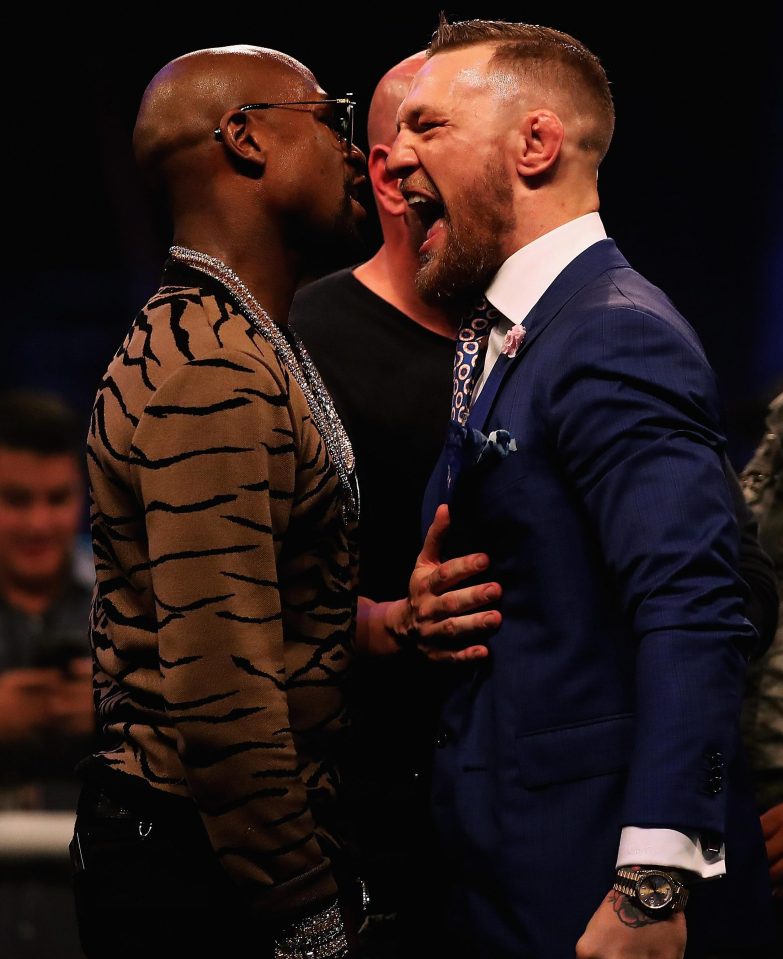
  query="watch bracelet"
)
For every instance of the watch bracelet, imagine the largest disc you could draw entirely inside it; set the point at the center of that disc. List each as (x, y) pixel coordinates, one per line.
(321, 936)
(625, 881)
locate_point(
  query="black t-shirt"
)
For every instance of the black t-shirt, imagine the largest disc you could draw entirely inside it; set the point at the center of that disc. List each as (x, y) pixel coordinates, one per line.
(391, 382)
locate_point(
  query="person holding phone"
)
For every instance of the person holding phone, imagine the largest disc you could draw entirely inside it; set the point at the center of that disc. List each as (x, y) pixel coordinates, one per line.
(46, 715)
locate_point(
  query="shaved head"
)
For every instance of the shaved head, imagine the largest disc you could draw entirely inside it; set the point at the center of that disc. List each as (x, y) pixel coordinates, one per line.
(186, 99)
(389, 94)
(238, 180)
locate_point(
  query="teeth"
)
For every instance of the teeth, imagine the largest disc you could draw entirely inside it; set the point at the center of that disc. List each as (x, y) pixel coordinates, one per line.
(416, 199)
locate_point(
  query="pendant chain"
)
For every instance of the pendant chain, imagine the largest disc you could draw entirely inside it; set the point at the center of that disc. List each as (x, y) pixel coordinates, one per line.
(296, 360)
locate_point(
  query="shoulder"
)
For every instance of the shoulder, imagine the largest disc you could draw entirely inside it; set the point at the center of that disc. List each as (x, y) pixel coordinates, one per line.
(83, 564)
(619, 337)
(325, 296)
(338, 281)
(620, 313)
(775, 417)
(186, 323)
(183, 330)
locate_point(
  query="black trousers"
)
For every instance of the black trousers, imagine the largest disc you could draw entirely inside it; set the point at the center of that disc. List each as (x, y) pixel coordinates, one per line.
(150, 888)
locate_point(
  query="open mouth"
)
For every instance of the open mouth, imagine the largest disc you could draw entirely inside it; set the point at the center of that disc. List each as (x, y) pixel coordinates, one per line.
(429, 210)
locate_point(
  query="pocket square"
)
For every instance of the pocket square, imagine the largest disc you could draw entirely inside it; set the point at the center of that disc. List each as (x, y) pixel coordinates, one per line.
(476, 449)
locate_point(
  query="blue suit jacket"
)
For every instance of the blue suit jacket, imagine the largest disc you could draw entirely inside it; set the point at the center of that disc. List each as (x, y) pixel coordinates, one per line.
(613, 689)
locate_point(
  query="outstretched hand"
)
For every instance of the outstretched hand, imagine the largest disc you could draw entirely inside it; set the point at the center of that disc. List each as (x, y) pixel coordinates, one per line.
(445, 621)
(46, 701)
(772, 825)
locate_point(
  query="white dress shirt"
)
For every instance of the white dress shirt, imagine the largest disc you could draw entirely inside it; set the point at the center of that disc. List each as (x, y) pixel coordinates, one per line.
(527, 274)
(516, 288)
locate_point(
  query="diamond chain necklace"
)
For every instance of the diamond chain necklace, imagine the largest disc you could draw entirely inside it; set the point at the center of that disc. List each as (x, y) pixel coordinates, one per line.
(301, 367)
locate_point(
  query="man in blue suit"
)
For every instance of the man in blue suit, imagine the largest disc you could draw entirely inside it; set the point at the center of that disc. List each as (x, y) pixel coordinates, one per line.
(586, 772)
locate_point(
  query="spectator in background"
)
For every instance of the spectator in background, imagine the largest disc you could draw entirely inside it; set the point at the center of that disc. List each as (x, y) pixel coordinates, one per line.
(366, 327)
(46, 716)
(762, 481)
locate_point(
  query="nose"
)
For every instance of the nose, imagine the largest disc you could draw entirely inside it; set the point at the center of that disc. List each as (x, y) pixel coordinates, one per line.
(402, 159)
(357, 161)
(357, 158)
(39, 517)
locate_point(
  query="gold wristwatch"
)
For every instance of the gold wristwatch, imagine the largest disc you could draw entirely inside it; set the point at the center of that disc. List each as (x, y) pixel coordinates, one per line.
(655, 890)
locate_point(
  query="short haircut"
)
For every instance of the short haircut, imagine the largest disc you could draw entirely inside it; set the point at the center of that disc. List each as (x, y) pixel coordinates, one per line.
(546, 56)
(39, 423)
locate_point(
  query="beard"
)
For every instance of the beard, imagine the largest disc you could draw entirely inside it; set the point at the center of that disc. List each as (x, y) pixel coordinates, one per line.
(472, 250)
(329, 243)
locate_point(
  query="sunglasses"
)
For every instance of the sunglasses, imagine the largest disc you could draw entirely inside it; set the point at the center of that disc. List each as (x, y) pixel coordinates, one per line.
(340, 118)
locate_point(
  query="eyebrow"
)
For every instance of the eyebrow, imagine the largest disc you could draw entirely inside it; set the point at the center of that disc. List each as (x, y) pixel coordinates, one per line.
(415, 113)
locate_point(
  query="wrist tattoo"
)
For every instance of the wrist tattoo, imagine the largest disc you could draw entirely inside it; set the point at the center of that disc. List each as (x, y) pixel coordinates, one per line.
(628, 912)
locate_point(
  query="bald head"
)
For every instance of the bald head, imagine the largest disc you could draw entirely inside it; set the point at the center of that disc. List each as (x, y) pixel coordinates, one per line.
(185, 100)
(389, 94)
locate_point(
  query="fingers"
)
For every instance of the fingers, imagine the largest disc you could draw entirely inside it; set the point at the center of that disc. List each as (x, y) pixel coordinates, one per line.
(80, 666)
(447, 575)
(772, 821)
(72, 709)
(436, 611)
(35, 680)
(430, 551)
(459, 632)
(470, 654)
(772, 827)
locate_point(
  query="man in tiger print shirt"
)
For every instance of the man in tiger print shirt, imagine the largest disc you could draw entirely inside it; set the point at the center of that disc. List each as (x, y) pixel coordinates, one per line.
(223, 523)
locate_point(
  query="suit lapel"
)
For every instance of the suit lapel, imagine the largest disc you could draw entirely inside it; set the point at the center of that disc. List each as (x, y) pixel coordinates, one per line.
(597, 259)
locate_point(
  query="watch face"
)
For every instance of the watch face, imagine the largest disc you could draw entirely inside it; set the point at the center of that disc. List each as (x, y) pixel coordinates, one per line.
(655, 890)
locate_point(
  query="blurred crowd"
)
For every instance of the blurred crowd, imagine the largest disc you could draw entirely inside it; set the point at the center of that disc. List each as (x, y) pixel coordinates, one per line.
(46, 714)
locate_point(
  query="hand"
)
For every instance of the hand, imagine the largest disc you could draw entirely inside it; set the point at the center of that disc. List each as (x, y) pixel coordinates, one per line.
(772, 827)
(438, 617)
(71, 709)
(620, 930)
(24, 702)
(35, 702)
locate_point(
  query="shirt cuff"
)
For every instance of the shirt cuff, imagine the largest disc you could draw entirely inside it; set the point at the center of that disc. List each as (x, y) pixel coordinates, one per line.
(668, 847)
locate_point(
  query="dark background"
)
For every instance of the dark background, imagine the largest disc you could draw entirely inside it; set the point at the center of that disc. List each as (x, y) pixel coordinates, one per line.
(691, 188)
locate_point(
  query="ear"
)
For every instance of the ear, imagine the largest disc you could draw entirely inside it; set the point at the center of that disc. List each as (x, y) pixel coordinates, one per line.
(542, 138)
(384, 184)
(239, 134)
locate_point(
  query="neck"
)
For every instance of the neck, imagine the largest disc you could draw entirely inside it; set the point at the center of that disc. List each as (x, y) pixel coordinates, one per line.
(390, 275)
(33, 597)
(267, 268)
(547, 213)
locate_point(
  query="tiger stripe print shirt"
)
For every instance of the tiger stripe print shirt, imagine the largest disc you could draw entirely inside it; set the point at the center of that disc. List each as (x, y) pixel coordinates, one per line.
(222, 622)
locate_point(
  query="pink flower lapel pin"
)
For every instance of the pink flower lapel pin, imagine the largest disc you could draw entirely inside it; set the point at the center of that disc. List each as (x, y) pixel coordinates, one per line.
(513, 340)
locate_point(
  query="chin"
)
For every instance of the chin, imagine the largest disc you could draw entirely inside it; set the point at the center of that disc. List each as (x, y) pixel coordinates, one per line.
(456, 272)
(438, 286)
(358, 211)
(38, 571)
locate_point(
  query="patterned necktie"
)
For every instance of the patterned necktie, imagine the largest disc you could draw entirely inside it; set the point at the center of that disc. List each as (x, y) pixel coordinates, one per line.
(472, 340)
